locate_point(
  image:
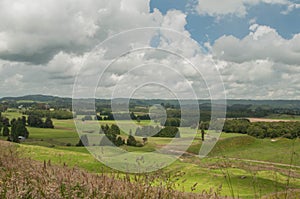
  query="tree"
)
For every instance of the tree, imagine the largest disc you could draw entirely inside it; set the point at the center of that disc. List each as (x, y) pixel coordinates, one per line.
(119, 141)
(24, 120)
(18, 129)
(35, 121)
(169, 131)
(5, 131)
(131, 141)
(132, 116)
(5, 122)
(98, 117)
(13, 121)
(13, 136)
(115, 129)
(48, 123)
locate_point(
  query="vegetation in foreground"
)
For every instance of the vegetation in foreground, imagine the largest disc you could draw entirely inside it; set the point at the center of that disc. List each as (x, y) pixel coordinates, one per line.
(245, 166)
(25, 178)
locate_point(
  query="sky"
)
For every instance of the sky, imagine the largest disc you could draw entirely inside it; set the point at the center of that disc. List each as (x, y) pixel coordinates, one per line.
(238, 49)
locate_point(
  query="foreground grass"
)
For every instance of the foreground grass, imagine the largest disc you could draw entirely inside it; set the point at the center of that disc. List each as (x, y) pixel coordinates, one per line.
(237, 178)
(246, 180)
(25, 178)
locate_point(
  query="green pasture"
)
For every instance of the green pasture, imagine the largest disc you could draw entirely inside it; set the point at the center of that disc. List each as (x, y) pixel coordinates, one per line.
(207, 173)
(238, 178)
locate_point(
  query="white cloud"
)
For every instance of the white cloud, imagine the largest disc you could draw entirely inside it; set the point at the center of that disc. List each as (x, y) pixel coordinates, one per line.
(64, 65)
(291, 7)
(238, 8)
(44, 43)
(261, 79)
(263, 42)
(262, 64)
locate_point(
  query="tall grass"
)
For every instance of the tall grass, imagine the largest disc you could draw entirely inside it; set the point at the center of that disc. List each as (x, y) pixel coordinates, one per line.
(25, 178)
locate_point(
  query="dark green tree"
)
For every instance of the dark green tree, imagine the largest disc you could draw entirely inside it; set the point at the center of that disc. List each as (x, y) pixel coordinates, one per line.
(131, 141)
(119, 141)
(48, 123)
(24, 120)
(115, 129)
(35, 121)
(5, 131)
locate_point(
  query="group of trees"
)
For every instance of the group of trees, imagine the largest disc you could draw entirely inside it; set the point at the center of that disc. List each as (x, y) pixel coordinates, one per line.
(36, 121)
(171, 122)
(4, 124)
(18, 128)
(147, 131)
(150, 131)
(121, 116)
(289, 130)
(112, 138)
(57, 114)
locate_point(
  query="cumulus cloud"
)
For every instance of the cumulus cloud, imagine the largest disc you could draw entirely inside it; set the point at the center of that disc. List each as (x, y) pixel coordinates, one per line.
(45, 44)
(238, 8)
(263, 42)
(34, 31)
(262, 64)
(261, 79)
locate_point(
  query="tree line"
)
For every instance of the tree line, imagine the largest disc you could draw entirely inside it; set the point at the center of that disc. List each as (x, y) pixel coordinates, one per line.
(18, 128)
(14, 128)
(111, 138)
(289, 130)
(150, 131)
(57, 114)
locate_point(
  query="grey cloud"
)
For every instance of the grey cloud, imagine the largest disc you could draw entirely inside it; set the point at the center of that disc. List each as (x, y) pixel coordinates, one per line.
(34, 31)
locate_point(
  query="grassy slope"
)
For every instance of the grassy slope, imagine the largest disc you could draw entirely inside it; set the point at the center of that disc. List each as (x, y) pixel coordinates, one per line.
(202, 172)
(208, 172)
(25, 178)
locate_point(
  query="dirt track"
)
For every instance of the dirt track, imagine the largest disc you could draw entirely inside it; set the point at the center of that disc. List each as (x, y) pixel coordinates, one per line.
(269, 120)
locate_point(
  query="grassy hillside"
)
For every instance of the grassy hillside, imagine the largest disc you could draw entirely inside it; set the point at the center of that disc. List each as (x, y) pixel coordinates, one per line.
(239, 165)
(237, 178)
(25, 178)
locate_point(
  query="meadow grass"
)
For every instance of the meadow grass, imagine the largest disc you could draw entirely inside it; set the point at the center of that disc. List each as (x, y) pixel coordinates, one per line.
(247, 179)
(12, 113)
(25, 178)
(206, 173)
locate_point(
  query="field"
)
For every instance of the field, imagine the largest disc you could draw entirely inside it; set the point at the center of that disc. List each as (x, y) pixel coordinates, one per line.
(238, 166)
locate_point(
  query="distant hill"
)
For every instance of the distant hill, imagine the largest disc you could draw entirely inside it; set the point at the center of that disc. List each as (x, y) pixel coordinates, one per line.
(285, 104)
(35, 98)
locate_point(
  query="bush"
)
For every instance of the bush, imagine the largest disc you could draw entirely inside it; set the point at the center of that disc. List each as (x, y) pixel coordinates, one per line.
(131, 141)
(169, 131)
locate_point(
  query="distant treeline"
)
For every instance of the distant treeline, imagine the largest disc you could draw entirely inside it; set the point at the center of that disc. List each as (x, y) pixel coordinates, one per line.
(150, 131)
(57, 114)
(289, 130)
